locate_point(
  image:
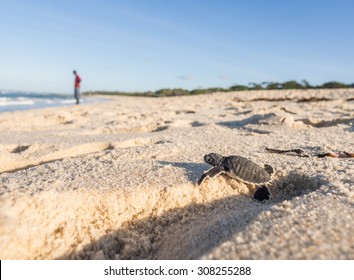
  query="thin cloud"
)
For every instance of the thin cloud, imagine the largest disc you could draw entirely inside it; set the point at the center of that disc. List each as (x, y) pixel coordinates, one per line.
(186, 78)
(224, 77)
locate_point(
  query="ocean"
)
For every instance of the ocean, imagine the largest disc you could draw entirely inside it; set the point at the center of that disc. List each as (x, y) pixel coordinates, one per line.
(15, 101)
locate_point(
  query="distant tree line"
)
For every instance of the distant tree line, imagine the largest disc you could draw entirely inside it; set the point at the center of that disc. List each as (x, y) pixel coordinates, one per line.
(292, 84)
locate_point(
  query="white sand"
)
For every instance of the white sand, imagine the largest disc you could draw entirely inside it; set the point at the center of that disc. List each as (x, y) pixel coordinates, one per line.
(116, 180)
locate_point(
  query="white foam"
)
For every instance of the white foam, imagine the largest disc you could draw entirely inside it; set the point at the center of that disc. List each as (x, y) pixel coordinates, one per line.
(16, 103)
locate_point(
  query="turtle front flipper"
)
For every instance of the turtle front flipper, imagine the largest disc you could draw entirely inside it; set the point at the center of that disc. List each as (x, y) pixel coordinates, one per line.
(262, 194)
(269, 169)
(201, 179)
(211, 173)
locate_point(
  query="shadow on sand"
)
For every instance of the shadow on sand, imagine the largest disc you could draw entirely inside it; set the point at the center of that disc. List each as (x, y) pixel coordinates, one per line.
(192, 231)
(243, 125)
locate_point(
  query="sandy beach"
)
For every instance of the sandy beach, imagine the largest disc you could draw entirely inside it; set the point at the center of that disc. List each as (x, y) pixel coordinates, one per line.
(117, 179)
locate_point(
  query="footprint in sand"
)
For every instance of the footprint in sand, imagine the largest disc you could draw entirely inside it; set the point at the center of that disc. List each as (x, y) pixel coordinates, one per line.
(19, 149)
(184, 112)
(25, 156)
(197, 124)
(160, 128)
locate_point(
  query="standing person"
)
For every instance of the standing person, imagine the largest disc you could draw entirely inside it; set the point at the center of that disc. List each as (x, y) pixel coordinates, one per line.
(77, 87)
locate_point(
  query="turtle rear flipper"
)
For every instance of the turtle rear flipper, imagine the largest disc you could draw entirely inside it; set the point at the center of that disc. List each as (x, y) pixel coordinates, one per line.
(269, 169)
(262, 194)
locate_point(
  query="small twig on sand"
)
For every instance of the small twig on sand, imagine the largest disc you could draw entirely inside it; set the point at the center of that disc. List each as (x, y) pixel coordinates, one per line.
(349, 155)
(297, 151)
(301, 153)
(327, 155)
(337, 155)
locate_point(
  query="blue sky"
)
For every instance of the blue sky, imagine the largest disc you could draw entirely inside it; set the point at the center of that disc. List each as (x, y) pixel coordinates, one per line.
(140, 45)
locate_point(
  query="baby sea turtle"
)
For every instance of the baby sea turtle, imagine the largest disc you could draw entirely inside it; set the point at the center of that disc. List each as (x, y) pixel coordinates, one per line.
(241, 169)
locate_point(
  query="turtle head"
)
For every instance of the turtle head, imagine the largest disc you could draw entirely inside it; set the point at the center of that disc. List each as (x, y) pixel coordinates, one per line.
(213, 159)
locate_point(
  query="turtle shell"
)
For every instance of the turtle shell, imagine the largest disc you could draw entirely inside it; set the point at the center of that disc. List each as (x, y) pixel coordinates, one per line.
(244, 169)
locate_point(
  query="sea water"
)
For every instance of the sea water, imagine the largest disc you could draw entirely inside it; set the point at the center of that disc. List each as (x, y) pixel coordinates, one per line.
(14, 101)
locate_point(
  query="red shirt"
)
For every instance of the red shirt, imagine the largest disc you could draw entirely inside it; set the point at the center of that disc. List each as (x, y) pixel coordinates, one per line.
(77, 81)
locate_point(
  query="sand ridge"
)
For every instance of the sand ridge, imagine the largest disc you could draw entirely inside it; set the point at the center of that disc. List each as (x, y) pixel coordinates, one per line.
(116, 180)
